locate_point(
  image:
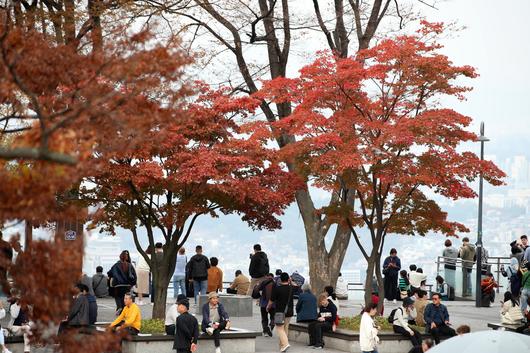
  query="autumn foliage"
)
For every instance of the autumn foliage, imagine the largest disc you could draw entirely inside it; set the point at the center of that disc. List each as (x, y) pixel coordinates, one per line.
(373, 129)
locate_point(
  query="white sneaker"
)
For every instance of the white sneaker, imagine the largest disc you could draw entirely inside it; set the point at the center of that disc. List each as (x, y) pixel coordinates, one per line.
(394, 301)
(209, 331)
(284, 349)
(217, 349)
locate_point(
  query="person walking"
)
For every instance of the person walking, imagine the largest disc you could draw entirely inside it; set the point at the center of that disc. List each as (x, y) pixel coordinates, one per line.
(215, 277)
(99, 283)
(282, 299)
(368, 330)
(306, 307)
(467, 254)
(400, 324)
(214, 319)
(267, 313)
(450, 254)
(437, 319)
(122, 277)
(198, 272)
(187, 329)
(142, 271)
(130, 318)
(258, 268)
(179, 277)
(239, 285)
(324, 323)
(391, 268)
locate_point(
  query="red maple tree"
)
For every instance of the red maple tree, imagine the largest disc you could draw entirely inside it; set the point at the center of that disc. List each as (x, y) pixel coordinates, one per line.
(202, 163)
(372, 130)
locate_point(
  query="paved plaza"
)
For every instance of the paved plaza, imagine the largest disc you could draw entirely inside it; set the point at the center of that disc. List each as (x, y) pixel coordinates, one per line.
(461, 312)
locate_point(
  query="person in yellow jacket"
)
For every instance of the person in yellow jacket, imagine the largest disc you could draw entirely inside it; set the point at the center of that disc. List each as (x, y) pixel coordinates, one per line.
(130, 318)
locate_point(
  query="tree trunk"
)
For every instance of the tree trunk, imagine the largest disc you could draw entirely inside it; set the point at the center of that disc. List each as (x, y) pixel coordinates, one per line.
(160, 295)
(374, 268)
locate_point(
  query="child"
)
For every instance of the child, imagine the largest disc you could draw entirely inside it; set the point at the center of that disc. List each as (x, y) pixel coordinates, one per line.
(187, 329)
(404, 284)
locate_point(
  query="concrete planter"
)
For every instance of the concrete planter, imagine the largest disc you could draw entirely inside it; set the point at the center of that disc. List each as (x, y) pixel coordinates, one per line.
(235, 305)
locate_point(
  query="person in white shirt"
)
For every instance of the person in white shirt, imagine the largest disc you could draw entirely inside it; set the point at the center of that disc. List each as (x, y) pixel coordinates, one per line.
(171, 316)
(179, 276)
(332, 296)
(416, 277)
(342, 288)
(368, 339)
(2, 340)
(401, 322)
(142, 273)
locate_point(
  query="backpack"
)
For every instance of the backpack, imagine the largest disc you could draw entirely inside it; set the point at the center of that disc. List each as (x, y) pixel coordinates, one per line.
(391, 317)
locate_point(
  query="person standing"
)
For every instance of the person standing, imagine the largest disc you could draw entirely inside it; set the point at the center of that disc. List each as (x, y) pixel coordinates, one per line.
(324, 323)
(122, 277)
(306, 307)
(467, 254)
(391, 268)
(214, 319)
(179, 277)
(187, 329)
(525, 289)
(368, 330)
(267, 313)
(130, 318)
(215, 277)
(198, 272)
(99, 283)
(282, 299)
(450, 254)
(437, 319)
(143, 270)
(400, 324)
(258, 268)
(239, 285)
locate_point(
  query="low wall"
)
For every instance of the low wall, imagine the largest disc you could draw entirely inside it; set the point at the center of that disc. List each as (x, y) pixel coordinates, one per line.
(233, 341)
(348, 341)
(235, 305)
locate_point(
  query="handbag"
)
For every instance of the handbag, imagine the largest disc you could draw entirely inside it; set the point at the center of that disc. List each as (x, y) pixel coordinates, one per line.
(279, 317)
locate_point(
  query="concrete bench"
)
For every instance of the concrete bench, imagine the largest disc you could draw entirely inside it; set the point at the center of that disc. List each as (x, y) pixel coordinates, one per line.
(506, 327)
(234, 304)
(234, 341)
(348, 341)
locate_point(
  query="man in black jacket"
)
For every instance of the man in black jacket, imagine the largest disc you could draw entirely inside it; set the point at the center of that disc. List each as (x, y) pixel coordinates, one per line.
(258, 269)
(187, 329)
(79, 312)
(197, 269)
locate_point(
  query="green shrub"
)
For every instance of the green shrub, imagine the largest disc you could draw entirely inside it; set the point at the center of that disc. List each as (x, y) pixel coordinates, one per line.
(354, 323)
(153, 326)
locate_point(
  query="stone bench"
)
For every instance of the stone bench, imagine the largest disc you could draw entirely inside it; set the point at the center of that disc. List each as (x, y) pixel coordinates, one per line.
(348, 341)
(234, 341)
(234, 304)
(506, 327)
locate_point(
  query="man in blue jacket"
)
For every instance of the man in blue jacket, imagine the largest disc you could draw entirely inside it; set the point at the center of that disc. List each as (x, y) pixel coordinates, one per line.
(214, 319)
(437, 319)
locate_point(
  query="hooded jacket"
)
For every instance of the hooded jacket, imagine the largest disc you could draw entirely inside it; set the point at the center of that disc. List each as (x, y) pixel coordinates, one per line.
(259, 265)
(198, 267)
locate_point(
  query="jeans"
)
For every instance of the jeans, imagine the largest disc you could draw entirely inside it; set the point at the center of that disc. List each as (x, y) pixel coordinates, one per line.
(525, 294)
(450, 277)
(199, 286)
(467, 288)
(179, 285)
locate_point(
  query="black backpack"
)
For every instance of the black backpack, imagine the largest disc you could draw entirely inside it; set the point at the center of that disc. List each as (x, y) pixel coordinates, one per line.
(391, 317)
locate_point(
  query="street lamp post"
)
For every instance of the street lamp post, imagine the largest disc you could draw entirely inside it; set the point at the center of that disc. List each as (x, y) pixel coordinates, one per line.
(478, 289)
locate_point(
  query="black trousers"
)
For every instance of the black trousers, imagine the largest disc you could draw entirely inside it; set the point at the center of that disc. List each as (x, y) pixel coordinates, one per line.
(315, 330)
(217, 333)
(183, 350)
(170, 330)
(414, 339)
(231, 291)
(119, 293)
(267, 318)
(441, 330)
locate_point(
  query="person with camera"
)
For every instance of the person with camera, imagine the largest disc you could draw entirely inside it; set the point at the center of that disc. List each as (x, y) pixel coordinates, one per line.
(258, 269)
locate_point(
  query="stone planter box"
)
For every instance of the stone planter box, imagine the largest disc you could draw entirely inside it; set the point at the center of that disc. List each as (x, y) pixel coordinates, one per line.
(235, 305)
(348, 341)
(233, 341)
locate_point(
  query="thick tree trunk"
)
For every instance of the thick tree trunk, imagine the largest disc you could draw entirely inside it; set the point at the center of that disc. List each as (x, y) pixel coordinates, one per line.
(159, 308)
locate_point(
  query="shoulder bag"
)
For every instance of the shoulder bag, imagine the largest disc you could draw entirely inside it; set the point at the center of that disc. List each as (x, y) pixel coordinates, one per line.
(279, 317)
